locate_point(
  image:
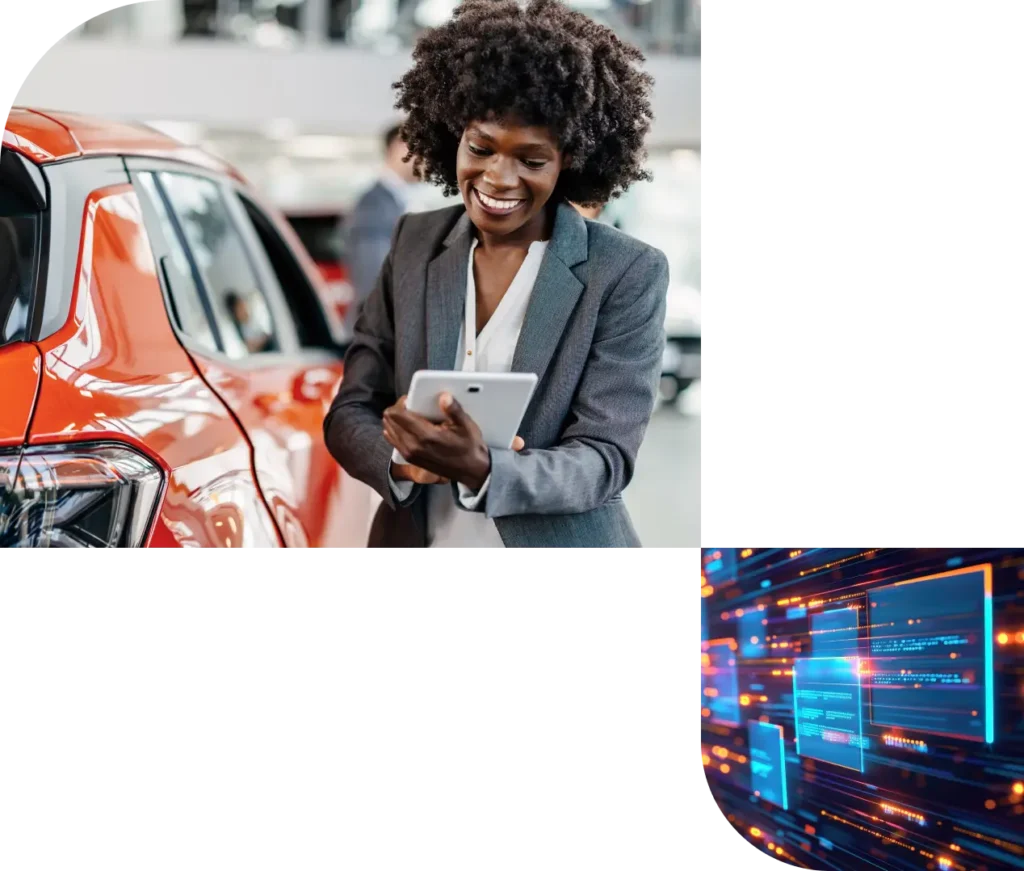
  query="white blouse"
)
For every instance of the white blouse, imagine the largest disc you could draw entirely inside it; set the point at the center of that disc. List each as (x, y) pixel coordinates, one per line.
(490, 351)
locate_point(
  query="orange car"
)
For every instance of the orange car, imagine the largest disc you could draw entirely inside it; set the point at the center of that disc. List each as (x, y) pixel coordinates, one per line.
(165, 365)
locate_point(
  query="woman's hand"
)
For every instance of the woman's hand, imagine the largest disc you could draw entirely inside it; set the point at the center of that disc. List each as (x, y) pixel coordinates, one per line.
(453, 449)
(409, 472)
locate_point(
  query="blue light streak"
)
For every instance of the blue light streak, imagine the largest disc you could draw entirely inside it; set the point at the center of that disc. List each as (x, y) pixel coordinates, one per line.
(860, 712)
(990, 682)
(796, 712)
(782, 757)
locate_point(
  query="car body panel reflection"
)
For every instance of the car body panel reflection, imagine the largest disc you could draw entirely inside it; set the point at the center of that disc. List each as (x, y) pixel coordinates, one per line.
(281, 403)
(19, 377)
(117, 368)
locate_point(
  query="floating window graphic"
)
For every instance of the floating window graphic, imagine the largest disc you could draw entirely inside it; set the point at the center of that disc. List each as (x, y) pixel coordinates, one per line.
(721, 693)
(827, 710)
(719, 565)
(834, 633)
(768, 762)
(931, 654)
(752, 630)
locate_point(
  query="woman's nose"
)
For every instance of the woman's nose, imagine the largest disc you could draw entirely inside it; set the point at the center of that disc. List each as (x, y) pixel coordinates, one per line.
(501, 174)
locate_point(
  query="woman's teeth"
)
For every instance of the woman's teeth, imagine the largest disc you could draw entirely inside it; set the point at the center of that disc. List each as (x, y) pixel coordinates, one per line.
(491, 203)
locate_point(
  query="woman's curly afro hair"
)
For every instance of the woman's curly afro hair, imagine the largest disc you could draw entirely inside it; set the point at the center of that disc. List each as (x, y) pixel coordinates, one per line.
(543, 64)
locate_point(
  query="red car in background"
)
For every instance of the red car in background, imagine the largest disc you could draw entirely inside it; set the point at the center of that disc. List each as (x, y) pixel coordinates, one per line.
(165, 360)
(320, 231)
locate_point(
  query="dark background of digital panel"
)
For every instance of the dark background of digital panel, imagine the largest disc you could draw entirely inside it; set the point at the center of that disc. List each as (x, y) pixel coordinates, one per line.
(963, 790)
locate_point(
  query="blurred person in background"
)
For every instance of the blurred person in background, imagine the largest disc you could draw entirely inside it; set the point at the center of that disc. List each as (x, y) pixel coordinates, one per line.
(522, 112)
(369, 227)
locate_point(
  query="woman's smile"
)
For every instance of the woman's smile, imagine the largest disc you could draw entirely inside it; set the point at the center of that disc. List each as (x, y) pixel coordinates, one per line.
(499, 207)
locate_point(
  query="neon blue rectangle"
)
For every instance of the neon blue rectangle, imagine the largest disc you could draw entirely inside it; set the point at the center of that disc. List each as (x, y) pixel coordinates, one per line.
(768, 762)
(752, 629)
(827, 710)
(834, 633)
(931, 655)
(719, 564)
(796, 612)
(721, 684)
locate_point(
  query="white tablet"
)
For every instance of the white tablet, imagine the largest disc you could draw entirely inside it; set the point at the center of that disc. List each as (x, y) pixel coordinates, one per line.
(495, 400)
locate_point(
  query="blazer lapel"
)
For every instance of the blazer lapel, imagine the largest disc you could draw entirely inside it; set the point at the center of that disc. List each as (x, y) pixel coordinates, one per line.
(555, 294)
(446, 296)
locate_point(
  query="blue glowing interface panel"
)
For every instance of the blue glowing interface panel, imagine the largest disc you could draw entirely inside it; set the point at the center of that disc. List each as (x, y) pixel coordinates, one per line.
(719, 683)
(719, 565)
(752, 644)
(834, 632)
(931, 654)
(768, 762)
(827, 710)
(863, 709)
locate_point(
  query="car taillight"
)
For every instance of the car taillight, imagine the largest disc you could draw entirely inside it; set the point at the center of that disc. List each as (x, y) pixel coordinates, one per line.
(77, 495)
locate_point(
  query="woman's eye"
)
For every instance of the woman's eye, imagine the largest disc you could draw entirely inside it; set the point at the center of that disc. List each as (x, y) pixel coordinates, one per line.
(479, 152)
(534, 164)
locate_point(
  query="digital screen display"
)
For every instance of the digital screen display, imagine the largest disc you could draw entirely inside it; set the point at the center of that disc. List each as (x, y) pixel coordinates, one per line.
(752, 644)
(719, 565)
(768, 762)
(931, 655)
(877, 722)
(834, 632)
(827, 710)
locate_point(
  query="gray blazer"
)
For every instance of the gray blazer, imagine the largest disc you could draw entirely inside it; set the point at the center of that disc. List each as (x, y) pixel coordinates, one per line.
(593, 333)
(368, 232)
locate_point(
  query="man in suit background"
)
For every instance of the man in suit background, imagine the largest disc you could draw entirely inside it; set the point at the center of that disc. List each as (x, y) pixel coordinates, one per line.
(373, 220)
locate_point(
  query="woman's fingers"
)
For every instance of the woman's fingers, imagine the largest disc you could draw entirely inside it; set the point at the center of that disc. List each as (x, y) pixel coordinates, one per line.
(396, 437)
(518, 444)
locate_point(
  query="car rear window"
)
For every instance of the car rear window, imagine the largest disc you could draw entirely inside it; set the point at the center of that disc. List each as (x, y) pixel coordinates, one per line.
(321, 236)
(20, 228)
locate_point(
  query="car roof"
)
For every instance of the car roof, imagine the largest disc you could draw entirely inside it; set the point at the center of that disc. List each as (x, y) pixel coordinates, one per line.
(45, 136)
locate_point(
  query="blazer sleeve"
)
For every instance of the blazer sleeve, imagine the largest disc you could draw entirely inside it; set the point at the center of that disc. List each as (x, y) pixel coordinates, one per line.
(354, 423)
(614, 400)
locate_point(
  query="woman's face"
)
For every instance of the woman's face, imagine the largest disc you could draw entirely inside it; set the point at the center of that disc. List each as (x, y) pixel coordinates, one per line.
(507, 173)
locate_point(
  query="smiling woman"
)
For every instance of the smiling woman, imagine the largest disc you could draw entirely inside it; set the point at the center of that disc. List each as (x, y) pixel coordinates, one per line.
(521, 112)
(544, 65)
